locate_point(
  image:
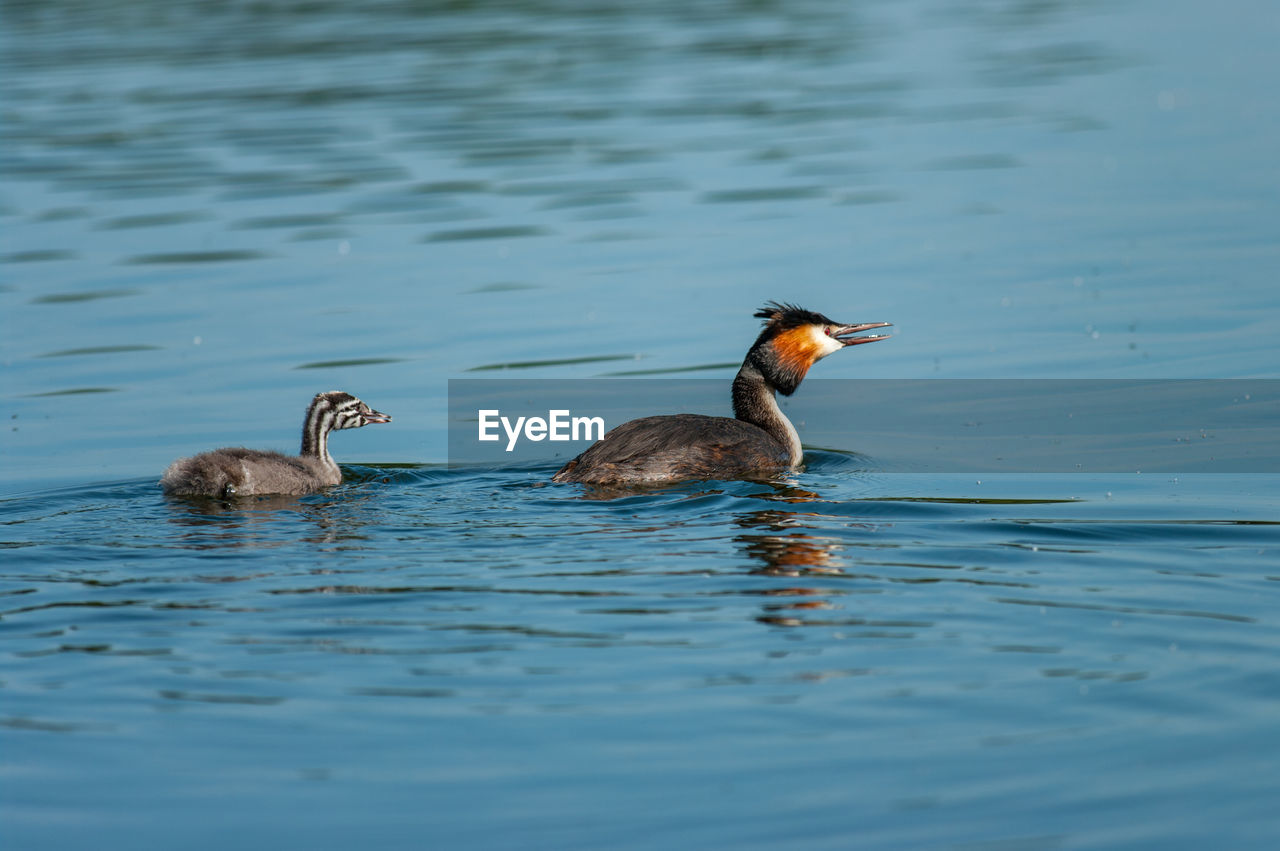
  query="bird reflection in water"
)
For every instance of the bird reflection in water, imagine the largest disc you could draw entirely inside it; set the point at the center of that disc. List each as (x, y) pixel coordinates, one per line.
(781, 549)
(340, 517)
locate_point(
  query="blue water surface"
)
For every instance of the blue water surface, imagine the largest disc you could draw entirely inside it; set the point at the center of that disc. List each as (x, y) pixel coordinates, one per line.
(208, 213)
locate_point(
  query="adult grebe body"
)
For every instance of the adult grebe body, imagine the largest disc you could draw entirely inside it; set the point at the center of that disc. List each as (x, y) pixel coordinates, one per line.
(759, 439)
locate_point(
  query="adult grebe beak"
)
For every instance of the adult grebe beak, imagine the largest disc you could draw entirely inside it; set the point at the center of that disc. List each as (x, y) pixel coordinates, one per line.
(843, 331)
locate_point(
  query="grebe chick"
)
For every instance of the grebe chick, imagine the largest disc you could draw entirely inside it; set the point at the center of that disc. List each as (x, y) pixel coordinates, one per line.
(247, 472)
(760, 438)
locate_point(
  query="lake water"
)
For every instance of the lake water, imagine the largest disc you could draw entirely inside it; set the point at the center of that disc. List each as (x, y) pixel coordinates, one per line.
(210, 213)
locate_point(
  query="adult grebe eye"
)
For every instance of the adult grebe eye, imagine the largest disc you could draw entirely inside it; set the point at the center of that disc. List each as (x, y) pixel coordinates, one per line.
(828, 330)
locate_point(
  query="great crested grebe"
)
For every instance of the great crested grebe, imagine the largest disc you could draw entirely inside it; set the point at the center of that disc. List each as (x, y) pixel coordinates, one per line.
(246, 472)
(760, 438)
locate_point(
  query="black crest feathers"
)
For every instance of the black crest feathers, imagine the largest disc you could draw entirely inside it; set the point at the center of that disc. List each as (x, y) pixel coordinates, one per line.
(780, 316)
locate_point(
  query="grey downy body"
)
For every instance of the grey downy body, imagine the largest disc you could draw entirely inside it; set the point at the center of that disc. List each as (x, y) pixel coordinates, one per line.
(238, 471)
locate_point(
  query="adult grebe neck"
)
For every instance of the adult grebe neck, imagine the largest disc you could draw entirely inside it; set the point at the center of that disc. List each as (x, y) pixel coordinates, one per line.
(756, 402)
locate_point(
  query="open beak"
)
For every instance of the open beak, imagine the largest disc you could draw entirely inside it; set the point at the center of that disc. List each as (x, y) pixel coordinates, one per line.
(844, 331)
(370, 417)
